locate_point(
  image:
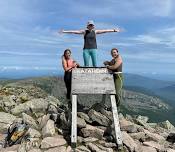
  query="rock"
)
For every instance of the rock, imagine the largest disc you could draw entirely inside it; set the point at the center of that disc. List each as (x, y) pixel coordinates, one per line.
(104, 148)
(171, 137)
(124, 122)
(13, 148)
(154, 145)
(65, 123)
(81, 123)
(82, 149)
(34, 105)
(138, 136)
(57, 149)
(129, 118)
(5, 120)
(147, 149)
(129, 142)
(106, 113)
(69, 149)
(142, 119)
(35, 150)
(23, 97)
(107, 144)
(94, 148)
(129, 129)
(43, 121)
(48, 129)
(9, 101)
(121, 116)
(91, 131)
(167, 125)
(22, 148)
(154, 137)
(102, 127)
(50, 142)
(53, 101)
(170, 150)
(79, 139)
(29, 120)
(52, 109)
(33, 133)
(98, 117)
(89, 139)
(84, 116)
(152, 125)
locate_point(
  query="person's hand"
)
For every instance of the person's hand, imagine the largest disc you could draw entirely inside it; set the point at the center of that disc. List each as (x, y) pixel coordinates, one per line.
(119, 30)
(106, 63)
(75, 64)
(61, 31)
(78, 65)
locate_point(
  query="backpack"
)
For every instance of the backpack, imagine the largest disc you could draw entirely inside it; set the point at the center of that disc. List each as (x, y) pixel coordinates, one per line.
(15, 133)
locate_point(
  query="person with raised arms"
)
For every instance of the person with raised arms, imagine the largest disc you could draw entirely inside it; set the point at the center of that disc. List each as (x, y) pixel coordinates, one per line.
(90, 43)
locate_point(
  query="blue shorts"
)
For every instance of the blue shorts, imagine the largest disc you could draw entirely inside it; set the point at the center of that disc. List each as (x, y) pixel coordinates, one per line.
(87, 53)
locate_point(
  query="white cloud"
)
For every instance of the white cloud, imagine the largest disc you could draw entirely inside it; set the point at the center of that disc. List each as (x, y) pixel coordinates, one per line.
(162, 36)
(127, 8)
(148, 39)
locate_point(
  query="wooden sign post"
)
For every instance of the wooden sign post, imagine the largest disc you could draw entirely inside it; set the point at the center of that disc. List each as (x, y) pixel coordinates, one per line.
(93, 81)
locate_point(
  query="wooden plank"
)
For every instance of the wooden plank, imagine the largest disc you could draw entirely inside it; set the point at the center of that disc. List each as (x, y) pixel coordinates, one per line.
(74, 121)
(118, 134)
(103, 99)
(92, 81)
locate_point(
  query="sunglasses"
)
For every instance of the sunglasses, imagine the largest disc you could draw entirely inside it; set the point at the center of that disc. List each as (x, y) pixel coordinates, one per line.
(90, 25)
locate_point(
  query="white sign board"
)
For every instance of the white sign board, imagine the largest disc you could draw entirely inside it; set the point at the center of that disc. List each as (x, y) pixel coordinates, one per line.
(92, 81)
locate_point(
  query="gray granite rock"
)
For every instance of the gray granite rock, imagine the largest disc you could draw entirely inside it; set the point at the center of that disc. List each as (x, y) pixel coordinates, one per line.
(98, 117)
(50, 142)
(91, 131)
(49, 129)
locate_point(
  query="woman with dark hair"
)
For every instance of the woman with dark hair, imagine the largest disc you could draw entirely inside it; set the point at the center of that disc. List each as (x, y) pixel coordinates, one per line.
(115, 65)
(68, 64)
(90, 44)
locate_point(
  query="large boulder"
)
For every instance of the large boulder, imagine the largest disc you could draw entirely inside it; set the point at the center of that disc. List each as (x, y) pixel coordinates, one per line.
(84, 116)
(48, 129)
(98, 117)
(34, 105)
(29, 120)
(129, 142)
(167, 125)
(81, 123)
(91, 131)
(50, 142)
(5, 120)
(154, 145)
(153, 136)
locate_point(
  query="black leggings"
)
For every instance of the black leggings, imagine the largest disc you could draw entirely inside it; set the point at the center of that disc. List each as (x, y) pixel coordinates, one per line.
(67, 80)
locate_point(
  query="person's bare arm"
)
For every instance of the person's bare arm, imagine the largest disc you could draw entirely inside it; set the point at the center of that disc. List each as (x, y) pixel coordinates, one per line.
(116, 65)
(106, 63)
(73, 31)
(107, 31)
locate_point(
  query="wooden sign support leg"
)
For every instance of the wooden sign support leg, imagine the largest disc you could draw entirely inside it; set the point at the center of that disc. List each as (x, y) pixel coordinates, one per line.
(103, 99)
(118, 135)
(74, 121)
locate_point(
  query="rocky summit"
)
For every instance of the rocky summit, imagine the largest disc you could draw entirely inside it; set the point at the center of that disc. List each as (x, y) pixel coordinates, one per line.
(49, 121)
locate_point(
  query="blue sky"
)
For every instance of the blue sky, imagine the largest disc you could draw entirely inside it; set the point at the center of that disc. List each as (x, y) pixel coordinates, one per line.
(29, 40)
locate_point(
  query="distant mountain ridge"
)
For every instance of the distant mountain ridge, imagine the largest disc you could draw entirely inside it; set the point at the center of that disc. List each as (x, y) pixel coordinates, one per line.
(145, 82)
(134, 102)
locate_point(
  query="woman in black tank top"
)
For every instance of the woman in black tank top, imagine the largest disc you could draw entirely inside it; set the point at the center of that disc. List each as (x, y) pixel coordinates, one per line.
(90, 43)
